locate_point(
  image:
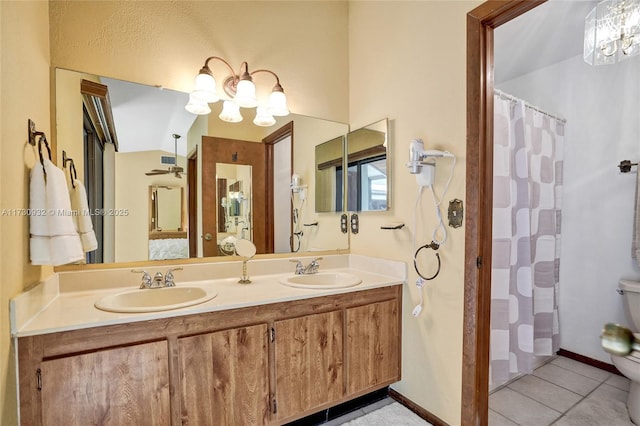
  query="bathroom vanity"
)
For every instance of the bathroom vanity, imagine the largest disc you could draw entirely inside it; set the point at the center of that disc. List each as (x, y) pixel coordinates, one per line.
(260, 362)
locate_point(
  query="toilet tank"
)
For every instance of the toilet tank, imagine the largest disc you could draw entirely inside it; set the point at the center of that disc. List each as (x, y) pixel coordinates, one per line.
(631, 297)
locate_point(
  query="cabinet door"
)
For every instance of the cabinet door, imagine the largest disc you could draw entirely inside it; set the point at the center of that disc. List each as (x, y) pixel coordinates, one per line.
(224, 377)
(123, 386)
(308, 352)
(373, 345)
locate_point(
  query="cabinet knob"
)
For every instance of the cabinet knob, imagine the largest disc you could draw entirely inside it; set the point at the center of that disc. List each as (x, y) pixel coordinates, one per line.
(208, 236)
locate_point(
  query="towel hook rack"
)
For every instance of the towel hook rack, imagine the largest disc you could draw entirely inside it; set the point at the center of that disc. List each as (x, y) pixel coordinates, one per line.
(625, 166)
(73, 174)
(32, 132)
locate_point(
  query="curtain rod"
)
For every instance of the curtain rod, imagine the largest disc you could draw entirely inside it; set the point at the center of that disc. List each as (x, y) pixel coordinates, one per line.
(528, 105)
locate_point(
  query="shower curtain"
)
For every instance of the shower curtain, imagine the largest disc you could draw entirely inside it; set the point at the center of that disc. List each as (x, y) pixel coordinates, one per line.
(527, 186)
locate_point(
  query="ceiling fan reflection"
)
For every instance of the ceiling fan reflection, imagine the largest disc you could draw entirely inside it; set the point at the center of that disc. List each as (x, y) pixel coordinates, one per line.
(178, 171)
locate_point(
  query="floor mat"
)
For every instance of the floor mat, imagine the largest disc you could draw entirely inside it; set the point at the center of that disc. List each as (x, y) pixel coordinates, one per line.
(393, 414)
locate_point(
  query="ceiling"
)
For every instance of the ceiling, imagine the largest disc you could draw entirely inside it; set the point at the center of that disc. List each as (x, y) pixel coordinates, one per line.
(549, 33)
(145, 117)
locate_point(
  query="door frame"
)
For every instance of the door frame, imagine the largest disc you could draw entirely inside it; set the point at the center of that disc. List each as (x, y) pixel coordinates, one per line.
(239, 152)
(481, 22)
(269, 141)
(192, 196)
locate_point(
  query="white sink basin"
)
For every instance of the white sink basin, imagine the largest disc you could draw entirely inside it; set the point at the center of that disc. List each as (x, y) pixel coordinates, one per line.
(154, 300)
(322, 280)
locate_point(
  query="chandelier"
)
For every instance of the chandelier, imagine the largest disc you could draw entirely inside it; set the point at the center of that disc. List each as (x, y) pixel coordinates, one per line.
(612, 32)
(240, 92)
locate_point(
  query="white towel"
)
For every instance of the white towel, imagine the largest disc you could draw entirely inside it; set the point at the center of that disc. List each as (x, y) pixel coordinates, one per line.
(635, 242)
(57, 242)
(38, 221)
(82, 218)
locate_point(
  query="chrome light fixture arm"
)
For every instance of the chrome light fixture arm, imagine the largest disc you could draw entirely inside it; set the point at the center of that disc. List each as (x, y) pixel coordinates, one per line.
(278, 86)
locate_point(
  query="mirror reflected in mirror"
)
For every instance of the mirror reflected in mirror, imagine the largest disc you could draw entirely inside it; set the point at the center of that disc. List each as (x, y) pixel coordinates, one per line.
(167, 234)
(368, 168)
(234, 202)
(329, 175)
(119, 131)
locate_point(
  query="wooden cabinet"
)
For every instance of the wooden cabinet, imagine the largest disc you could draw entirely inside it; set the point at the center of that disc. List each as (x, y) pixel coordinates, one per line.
(261, 365)
(224, 377)
(373, 355)
(123, 386)
(308, 363)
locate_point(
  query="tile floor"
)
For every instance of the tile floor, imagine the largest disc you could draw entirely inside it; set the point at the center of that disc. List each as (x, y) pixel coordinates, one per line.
(562, 392)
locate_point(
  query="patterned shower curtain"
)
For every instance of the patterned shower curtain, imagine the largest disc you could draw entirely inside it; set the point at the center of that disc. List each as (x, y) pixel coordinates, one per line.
(527, 187)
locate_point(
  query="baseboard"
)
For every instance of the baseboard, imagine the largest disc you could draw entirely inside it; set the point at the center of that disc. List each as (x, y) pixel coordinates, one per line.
(421, 412)
(589, 361)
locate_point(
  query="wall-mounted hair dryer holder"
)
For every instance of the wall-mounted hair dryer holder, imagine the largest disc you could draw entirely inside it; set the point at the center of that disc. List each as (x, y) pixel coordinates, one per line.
(426, 171)
(423, 162)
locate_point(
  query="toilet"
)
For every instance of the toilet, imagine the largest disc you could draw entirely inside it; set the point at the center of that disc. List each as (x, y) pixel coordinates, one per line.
(630, 365)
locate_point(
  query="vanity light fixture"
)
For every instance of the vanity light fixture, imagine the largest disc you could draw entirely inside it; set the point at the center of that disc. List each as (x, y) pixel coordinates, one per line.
(612, 32)
(240, 92)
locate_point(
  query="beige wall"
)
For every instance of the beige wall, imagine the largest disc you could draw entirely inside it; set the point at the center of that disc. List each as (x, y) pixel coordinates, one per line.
(69, 117)
(132, 195)
(415, 56)
(24, 83)
(412, 76)
(166, 43)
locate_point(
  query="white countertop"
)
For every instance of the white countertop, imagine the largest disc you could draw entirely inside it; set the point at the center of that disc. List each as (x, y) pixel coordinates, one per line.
(56, 306)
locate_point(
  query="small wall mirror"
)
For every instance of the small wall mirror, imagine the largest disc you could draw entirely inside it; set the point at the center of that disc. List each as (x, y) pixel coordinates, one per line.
(165, 207)
(167, 223)
(329, 166)
(368, 168)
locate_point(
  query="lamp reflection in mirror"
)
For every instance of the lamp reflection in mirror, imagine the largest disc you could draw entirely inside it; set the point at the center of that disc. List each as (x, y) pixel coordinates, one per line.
(230, 112)
(241, 90)
(263, 118)
(612, 32)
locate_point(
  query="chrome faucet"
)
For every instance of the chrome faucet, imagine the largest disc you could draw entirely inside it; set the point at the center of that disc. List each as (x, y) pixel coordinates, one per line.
(168, 277)
(311, 268)
(299, 266)
(146, 278)
(158, 281)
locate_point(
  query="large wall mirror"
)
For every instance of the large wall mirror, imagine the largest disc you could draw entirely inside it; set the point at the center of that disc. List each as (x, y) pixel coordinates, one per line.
(220, 198)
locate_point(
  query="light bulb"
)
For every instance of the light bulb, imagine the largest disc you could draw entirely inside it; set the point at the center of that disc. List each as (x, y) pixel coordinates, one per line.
(263, 118)
(246, 94)
(230, 112)
(278, 104)
(205, 88)
(197, 106)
